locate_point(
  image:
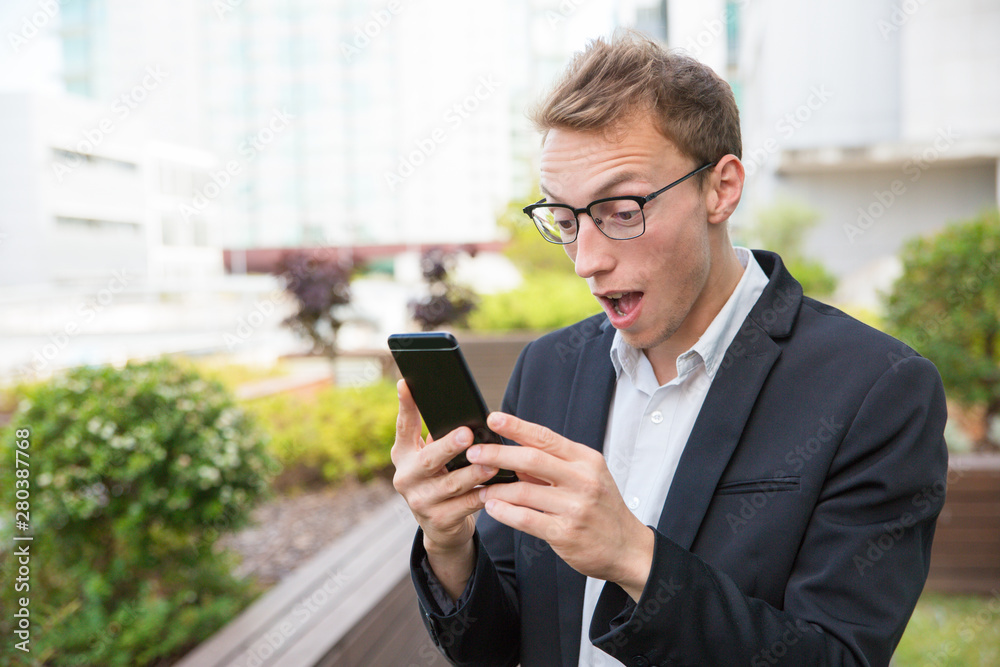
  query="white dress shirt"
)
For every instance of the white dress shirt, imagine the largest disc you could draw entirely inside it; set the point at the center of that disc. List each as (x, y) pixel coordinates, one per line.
(649, 424)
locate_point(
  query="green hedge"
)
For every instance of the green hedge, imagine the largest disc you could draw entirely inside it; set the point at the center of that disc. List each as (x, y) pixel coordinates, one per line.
(546, 300)
(341, 432)
(946, 305)
(132, 474)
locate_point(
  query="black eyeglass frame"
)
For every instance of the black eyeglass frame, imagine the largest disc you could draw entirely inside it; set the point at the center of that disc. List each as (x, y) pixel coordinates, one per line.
(641, 201)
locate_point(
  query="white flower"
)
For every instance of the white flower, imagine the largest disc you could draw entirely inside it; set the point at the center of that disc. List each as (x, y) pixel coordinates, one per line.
(123, 442)
(209, 474)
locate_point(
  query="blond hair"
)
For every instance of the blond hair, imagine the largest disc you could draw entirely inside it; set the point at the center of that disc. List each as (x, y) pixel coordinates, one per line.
(609, 83)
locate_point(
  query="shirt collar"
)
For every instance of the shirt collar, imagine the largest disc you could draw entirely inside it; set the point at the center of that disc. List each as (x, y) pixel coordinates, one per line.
(711, 348)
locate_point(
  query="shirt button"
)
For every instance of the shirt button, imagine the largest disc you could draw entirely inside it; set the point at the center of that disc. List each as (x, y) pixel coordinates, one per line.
(656, 417)
(634, 503)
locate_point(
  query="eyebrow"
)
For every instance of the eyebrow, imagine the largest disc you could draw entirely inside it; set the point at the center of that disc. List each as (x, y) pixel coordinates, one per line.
(601, 192)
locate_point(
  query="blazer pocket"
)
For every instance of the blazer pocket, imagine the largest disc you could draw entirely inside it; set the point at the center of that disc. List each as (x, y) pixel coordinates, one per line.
(768, 486)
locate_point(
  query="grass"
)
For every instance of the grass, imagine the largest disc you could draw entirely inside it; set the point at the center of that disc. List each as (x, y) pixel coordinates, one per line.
(946, 630)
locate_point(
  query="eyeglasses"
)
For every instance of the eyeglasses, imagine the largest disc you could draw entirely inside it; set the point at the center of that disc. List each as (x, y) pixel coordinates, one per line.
(618, 218)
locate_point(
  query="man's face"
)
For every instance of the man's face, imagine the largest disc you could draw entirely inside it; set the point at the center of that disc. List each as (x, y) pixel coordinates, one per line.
(647, 285)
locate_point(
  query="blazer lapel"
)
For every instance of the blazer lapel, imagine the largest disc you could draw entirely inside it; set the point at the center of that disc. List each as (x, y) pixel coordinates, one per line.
(590, 391)
(728, 404)
(712, 441)
(586, 422)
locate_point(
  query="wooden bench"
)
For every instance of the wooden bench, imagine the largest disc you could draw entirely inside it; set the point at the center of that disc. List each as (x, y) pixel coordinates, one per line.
(965, 557)
(352, 604)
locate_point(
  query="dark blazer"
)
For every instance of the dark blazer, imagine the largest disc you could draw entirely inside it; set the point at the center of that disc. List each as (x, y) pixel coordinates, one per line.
(798, 526)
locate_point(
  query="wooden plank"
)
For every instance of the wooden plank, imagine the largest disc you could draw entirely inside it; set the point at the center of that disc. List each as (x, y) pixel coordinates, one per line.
(960, 463)
(953, 555)
(966, 535)
(382, 636)
(289, 610)
(286, 599)
(394, 631)
(965, 557)
(340, 620)
(946, 558)
(960, 585)
(950, 519)
(972, 509)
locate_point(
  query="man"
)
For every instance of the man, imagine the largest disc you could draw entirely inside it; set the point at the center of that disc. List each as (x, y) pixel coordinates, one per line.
(714, 471)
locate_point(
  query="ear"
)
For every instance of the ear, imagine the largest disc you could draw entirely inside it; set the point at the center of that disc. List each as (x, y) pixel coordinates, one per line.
(724, 189)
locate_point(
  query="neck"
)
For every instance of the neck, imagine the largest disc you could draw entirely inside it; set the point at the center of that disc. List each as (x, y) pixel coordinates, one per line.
(724, 275)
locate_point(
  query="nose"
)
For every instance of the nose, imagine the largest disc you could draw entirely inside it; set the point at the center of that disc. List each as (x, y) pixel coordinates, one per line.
(591, 252)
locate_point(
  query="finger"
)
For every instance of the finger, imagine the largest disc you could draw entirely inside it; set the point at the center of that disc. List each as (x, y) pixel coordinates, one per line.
(459, 482)
(527, 433)
(431, 459)
(525, 477)
(548, 499)
(408, 419)
(526, 520)
(449, 513)
(534, 463)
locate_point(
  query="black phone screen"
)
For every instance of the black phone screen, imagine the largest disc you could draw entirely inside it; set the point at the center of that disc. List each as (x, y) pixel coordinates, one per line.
(443, 388)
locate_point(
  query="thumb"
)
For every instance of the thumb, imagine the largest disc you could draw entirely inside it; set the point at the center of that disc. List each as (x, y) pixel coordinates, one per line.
(408, 421)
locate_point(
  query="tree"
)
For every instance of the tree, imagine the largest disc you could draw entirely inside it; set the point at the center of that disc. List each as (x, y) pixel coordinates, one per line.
(782, 227)
(320, 289)
(946, 305)
(446, 302)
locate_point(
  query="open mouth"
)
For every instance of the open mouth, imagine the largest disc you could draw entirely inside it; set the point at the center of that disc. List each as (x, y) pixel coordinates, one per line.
(623, 303)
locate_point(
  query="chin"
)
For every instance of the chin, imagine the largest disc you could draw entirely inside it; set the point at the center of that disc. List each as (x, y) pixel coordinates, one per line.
(639, 341)
(645, 340)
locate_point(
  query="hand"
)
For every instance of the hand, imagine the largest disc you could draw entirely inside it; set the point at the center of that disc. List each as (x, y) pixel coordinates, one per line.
(442, 502)
(567, 497)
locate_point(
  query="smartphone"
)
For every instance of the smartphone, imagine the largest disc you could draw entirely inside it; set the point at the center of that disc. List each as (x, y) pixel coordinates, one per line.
(444, 390)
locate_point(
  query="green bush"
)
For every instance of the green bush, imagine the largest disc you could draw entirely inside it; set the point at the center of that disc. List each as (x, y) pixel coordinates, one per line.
(782, 227)
(133, 473)
(946, 305)
(342, 432)
(816, 281)
(551, 296)
(546, 300)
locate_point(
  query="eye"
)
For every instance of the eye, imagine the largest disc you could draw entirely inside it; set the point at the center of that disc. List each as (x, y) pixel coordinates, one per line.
(566, 224)
(618, 212)
(556, 222)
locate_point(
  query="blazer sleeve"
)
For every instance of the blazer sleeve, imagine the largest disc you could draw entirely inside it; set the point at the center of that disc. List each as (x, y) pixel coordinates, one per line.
(859, 571)
(484, 629)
